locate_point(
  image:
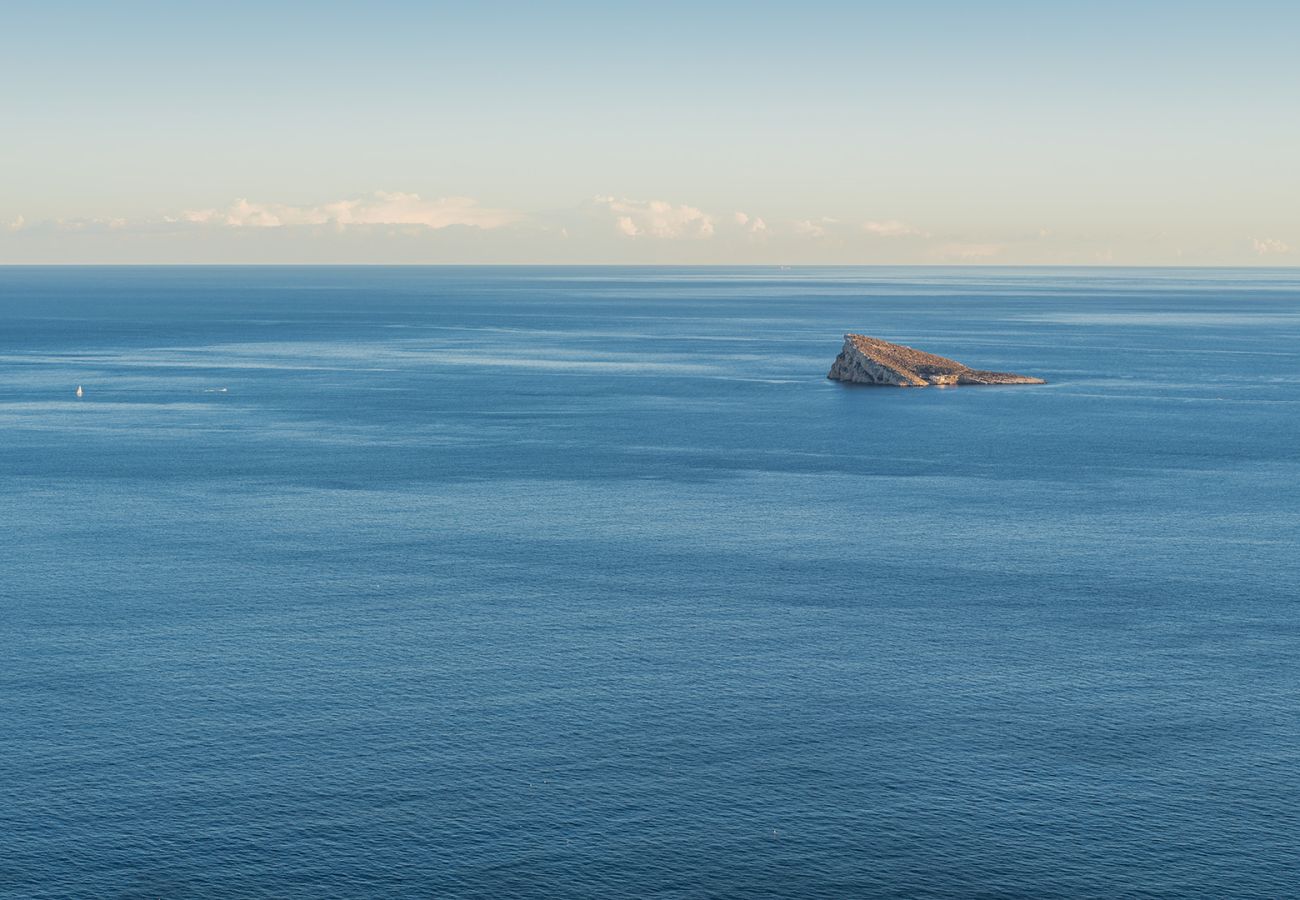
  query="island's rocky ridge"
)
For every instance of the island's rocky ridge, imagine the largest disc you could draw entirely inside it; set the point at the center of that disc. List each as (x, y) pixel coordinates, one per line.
(868, 360)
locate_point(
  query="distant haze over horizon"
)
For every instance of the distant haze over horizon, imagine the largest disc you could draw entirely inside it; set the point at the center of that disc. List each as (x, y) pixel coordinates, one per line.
(1107, 133)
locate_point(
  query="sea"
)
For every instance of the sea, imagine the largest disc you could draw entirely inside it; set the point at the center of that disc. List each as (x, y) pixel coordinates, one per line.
(584, 582)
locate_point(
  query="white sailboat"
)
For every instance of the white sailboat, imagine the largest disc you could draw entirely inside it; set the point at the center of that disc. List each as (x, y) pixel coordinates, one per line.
(80, 392)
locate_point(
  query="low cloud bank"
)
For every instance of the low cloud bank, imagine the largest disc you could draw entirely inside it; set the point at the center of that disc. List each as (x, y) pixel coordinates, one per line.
(399, 226)
(383, 208)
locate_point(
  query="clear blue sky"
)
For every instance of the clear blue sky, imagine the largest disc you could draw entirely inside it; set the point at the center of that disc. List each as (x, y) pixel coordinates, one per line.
(1048, 132)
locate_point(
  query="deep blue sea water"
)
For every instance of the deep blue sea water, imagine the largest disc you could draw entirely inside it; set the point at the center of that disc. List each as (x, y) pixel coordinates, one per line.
(585, 582)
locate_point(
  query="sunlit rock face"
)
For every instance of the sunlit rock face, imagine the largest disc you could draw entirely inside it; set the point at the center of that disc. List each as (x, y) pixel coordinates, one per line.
(868, 360)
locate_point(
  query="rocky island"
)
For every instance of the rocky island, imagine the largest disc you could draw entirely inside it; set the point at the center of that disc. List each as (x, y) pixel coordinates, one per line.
(868, 360)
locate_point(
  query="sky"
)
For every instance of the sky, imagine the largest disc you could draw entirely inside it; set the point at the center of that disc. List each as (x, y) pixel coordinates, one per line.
(1070, 133)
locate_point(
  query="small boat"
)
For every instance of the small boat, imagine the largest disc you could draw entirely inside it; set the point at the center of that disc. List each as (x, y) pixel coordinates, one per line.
(80, 392)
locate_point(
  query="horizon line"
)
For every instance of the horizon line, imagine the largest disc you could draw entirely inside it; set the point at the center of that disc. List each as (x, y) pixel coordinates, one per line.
(628, 265)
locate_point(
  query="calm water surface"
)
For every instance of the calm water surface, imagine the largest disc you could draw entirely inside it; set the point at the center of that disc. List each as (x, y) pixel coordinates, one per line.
(586, 583)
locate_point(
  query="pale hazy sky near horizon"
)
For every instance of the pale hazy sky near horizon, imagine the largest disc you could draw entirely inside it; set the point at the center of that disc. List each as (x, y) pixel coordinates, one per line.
(1141, 133)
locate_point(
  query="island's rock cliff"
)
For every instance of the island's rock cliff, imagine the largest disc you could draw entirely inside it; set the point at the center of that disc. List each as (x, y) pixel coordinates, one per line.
(868, 360)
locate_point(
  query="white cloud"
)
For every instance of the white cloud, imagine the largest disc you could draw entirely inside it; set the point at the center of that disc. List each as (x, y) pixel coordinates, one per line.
(657, 218)
(383, 208)
(893, 228)
(1265, 246)
(87, 223)
(751, 224)
(17, 224)
(813, 228)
